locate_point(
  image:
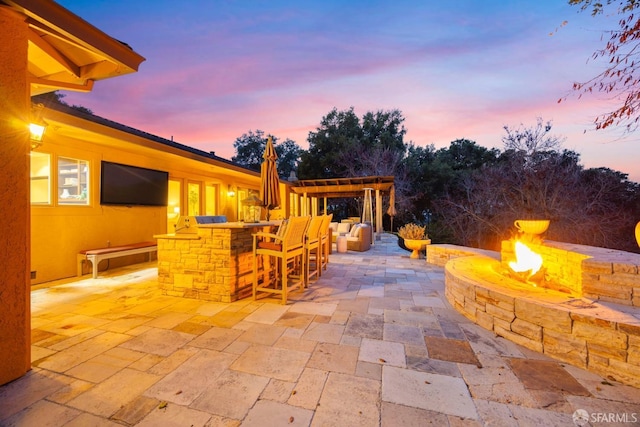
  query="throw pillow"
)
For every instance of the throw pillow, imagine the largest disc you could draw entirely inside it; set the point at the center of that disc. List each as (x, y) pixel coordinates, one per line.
(343, 228)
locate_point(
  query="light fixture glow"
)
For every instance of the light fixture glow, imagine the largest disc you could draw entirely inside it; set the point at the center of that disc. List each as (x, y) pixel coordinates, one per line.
(37, 131)
(230, 192)
(37, 127)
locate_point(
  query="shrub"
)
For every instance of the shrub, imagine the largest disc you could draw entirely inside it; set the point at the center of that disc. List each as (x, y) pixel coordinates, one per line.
(412, 232)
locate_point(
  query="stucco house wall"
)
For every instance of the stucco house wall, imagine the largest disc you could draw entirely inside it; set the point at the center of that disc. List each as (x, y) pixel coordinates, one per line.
(60, 232)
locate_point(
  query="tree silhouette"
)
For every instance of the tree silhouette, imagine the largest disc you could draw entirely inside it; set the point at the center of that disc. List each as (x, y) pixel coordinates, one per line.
(250, 148)
(620, 80)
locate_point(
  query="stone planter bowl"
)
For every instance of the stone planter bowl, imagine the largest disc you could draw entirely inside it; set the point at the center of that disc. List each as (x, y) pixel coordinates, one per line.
(416, 246)
(532, 226)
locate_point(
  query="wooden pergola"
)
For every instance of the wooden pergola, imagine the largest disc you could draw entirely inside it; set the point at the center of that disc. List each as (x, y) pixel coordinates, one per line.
(344, 187)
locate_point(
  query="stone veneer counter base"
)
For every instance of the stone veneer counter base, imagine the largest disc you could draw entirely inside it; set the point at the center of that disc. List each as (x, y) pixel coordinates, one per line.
(214, 264)
(599, 336)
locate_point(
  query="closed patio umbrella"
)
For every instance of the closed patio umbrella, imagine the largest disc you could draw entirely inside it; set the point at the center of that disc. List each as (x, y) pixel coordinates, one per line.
(392, 205)
(270, 183)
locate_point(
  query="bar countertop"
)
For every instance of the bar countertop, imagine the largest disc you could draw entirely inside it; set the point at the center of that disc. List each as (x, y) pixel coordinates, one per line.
(219, 225)
(239, 224)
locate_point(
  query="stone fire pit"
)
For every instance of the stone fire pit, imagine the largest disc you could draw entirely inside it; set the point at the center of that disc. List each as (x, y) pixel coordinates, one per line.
(591, 320)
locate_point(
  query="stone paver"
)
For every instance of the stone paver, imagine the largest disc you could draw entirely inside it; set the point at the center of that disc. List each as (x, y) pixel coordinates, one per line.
(348, 401)
(35, 415)
(334, 358)
(309, 388)
(174, 416)
(231, 395)
(383, 352)
(216, 338)
(373, 342)
(266, 413)
(273, 362)
(439, 393)
(158, 341)
(451, 350)
(110, 395)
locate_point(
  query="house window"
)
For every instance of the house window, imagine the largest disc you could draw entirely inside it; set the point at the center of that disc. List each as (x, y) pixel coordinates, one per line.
(173, 207)
(211, 197)
(40, 178)
(73, 181)
(194, 198)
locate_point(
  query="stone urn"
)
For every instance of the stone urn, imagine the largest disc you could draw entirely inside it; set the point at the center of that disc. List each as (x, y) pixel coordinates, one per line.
(638, 233)
(416, 246)
(532, 226)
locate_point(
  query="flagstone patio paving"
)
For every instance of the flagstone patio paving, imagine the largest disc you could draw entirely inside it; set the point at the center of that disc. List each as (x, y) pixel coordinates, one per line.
(372, 343)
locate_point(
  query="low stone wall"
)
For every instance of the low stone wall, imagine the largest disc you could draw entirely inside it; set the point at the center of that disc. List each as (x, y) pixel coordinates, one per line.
(440, 254)
(613, 277)
(601, 337)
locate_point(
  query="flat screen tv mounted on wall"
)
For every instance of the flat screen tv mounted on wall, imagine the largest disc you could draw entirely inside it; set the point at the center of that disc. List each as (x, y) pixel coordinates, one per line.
(132, 185)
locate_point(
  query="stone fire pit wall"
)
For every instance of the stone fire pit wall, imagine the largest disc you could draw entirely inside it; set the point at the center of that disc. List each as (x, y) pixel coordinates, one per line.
(590, 332)
(587, 271)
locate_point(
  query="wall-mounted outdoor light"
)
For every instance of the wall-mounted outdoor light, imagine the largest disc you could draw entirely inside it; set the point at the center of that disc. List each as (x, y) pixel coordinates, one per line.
(230, 192)
(37, 126)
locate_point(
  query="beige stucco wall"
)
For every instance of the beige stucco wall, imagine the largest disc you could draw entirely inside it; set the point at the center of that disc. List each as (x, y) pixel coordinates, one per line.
(15, 310)
(60, 232)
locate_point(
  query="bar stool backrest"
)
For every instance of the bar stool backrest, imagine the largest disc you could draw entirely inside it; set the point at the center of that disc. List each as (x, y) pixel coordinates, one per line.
(324, 228)
(282, 228)
(313, 231)
(295, 232)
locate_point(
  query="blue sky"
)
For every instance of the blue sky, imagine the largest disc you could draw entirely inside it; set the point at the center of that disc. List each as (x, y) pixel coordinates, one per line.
(215, 70)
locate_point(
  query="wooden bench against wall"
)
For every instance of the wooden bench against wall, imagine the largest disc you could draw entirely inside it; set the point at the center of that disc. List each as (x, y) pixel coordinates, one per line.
(96, 255)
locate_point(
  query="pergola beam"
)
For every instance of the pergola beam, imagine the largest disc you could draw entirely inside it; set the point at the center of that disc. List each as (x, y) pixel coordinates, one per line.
(342, 187)
(336, 188)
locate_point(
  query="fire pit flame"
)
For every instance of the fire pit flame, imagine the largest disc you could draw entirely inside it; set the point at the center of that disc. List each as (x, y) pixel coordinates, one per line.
(527, 261)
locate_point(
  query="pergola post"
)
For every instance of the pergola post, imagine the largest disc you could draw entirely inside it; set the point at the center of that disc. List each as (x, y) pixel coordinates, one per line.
(304, 208)
(378, 215)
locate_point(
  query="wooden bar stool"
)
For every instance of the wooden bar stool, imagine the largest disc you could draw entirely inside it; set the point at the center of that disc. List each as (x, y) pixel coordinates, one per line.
(287, 249)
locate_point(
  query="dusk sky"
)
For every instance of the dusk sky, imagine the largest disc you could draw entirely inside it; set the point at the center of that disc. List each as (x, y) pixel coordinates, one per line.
(215, 70)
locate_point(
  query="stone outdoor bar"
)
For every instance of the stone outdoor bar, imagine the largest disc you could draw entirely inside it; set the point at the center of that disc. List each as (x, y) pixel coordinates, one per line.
(588, 317)
(212, 261)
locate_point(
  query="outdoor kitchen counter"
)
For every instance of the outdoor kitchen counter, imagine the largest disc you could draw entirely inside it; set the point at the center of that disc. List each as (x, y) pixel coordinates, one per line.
(213, 262)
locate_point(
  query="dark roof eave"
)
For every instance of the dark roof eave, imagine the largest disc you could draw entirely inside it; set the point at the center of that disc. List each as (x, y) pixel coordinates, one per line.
(82, 32)
(205, 156)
